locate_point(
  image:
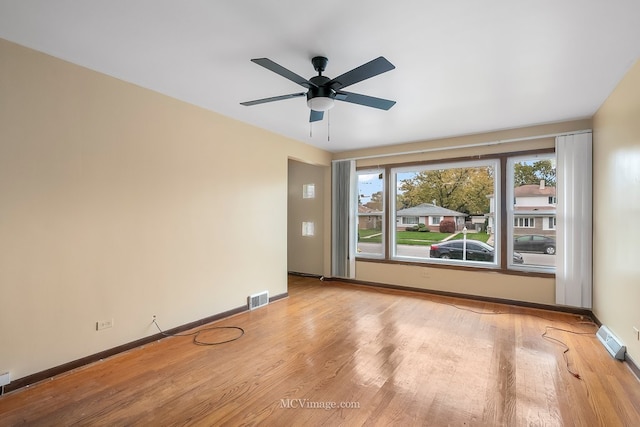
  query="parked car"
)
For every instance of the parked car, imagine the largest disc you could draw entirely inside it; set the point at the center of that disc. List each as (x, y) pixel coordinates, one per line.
(535, 243)
(476, 251)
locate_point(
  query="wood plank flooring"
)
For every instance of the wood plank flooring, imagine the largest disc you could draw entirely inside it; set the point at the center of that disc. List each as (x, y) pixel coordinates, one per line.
(340, 354)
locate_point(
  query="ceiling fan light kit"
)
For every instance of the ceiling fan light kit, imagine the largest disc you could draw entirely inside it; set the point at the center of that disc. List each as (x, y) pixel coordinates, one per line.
(322, 91)
(320, 103)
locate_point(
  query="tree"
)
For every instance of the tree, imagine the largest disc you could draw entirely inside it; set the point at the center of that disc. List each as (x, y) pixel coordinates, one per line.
(376, 201)
(459, 189)
(533, 172)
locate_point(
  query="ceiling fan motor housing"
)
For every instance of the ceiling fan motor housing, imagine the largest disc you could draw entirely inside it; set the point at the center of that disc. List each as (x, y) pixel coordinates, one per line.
(320, 97)
(322, 89)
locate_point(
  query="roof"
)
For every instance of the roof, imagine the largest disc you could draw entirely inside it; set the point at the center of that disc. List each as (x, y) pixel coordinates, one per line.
(427, 209)
(367, 210)
(531, 190)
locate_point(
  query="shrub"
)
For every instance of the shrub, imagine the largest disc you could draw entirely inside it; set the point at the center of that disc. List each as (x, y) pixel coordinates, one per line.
(447, 226)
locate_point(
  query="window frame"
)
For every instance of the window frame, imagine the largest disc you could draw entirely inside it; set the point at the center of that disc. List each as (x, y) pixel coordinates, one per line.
(511, 214)
(383, 222)
(500, 210)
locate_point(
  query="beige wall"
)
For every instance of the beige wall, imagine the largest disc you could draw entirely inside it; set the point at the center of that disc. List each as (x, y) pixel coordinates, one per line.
(616, 183)
(486, 283)
(527, 138)
(307, 252)
(121, 203)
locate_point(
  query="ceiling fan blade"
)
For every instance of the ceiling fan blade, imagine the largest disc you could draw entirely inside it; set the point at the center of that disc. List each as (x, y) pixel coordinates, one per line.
(287, 74)
(316, 116)
(372, 68)
(369, 101)
(273, 98)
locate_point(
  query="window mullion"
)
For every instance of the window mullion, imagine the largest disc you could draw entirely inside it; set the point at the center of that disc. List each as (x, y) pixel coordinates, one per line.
(504, 223)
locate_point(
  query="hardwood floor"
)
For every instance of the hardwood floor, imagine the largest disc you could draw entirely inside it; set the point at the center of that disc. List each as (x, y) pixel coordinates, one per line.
(388, 357)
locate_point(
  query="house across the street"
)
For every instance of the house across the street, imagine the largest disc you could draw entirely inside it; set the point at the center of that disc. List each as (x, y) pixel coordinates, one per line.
(430, 215)
(369, 219)
(534, 210)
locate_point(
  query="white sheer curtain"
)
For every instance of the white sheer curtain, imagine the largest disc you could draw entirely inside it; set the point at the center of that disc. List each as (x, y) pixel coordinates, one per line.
(574, 220)
(343, 202)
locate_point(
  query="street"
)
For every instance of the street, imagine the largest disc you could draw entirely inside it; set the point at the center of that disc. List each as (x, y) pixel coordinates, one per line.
(423, 252)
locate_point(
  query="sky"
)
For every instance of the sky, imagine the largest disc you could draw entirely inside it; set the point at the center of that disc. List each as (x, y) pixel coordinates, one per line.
(369, 183)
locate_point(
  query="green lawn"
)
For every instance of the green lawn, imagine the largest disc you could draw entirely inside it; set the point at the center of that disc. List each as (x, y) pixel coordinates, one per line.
(419, 238)
(416, 237)
(483, 237)
(364, 234)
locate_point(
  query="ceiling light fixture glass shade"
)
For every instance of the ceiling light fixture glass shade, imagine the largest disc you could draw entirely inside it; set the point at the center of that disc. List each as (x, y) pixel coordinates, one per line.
(320, 103)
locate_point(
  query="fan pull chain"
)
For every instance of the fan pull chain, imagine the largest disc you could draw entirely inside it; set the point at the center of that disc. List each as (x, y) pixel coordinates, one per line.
(329, 126)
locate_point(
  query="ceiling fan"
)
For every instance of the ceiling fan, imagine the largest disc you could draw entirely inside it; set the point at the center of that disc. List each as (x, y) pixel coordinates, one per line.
(324, 91)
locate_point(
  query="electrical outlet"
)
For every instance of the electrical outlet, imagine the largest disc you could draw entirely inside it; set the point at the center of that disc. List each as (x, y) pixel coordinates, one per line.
(637, 331)
(5, 378)
(104, 324)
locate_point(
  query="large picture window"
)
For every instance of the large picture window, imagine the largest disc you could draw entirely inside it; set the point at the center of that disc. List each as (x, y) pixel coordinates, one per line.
(453, 213)
(412, 220)
(454, 205)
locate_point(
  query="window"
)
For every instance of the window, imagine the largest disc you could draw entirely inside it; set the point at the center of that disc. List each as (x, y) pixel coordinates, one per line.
(444, 195)
(308, 191)
(524, 222)
(308, 229)
(410, 220)
(370, 213)
(430, 205)
(532, 187)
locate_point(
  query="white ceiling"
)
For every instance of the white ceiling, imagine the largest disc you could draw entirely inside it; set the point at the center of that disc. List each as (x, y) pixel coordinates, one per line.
(462, 67)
